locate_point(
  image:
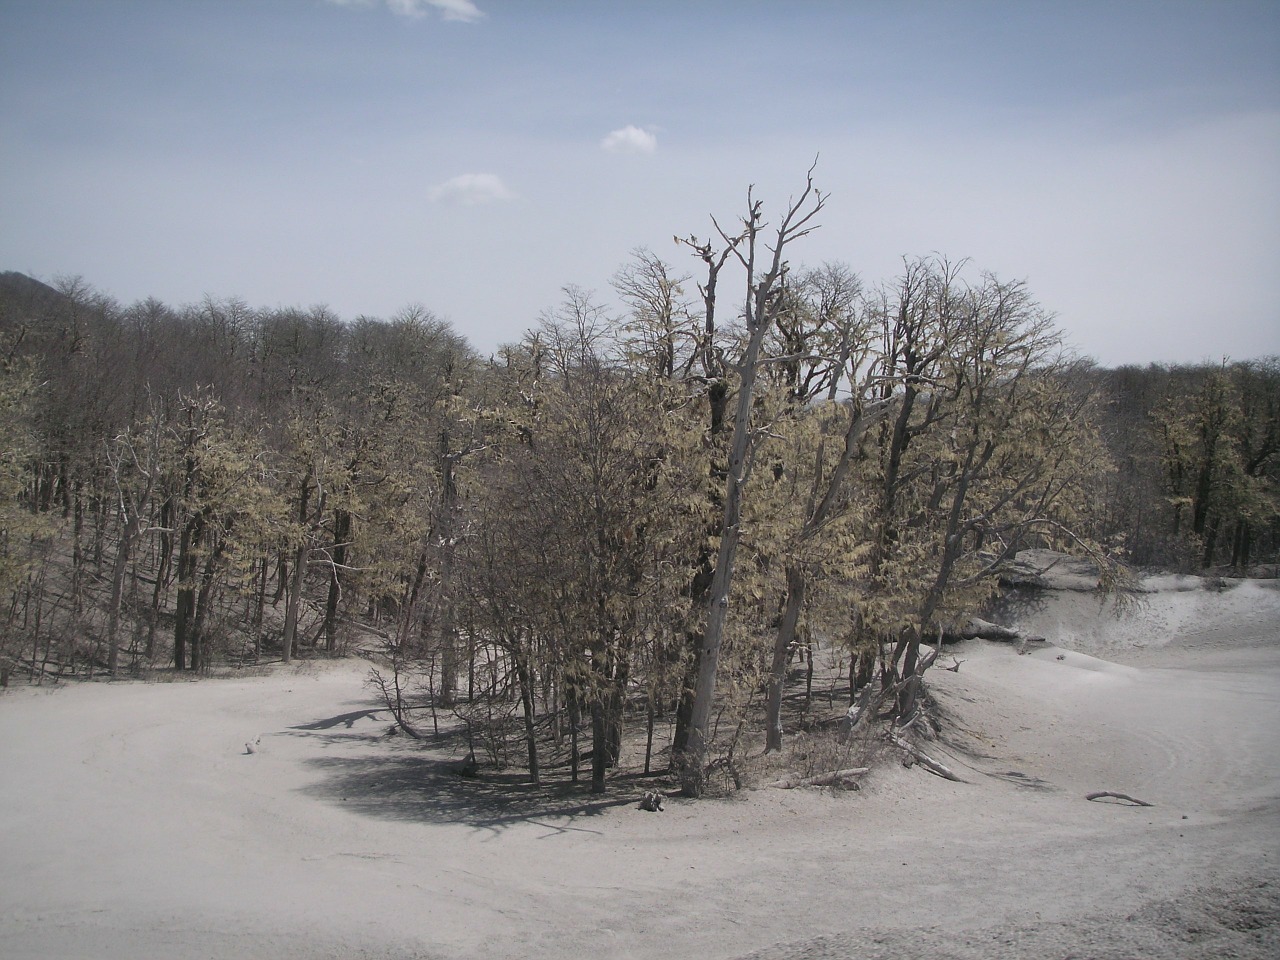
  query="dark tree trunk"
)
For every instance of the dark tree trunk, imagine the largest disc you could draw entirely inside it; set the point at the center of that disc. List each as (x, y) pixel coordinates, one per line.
(282, 577)
(684, 703)
(864, 667)
(200, 653)
(615, 705)
(341, 534)
(525, 679)
(77, 549)
(1200, 505)
(184, 612)
(599, 735)
(1211, 541)
(907, 696)
(128, 530)
(162, 574)
(1242, 547)
(445, 524)
(301, 557)
(293, 603)
(575, 720)
(783, 642)
(260, 607)
(648, 732)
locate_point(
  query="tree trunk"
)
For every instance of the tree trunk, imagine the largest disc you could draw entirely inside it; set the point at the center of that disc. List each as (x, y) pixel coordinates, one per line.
(294, 602)
(1203, 492)
(648, 733)
(199, 644)
(302, 556)
(598, 737)
(575, 720)
(282, 577)
(77, 548)
(525, 680)
(615, 705)
(907, 696)
(1210, 540)
(341, 534)
(684, 701)
(162, 575)
(184, 612)
(693, 764)
(128, 530)
(782, 644)
(259, 607)
(447, 621)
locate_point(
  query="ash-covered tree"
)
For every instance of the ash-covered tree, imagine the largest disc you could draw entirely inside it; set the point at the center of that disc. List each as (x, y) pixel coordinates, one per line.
(1219, 435)
(761, 253)
(992, 449)
(589, 542)
(832, 345)
(24, 531)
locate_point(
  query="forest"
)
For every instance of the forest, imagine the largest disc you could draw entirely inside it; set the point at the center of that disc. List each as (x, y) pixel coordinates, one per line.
(634, 516)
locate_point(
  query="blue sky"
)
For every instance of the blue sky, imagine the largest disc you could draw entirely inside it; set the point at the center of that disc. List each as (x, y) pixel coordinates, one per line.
(1123, 157)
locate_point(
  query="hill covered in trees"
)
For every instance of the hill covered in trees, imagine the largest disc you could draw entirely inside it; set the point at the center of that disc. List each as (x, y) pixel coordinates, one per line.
(620, 516)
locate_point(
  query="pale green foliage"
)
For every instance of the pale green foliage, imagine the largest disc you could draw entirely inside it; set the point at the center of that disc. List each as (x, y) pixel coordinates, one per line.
(231, 482)
(1003, 459)
(595, 498)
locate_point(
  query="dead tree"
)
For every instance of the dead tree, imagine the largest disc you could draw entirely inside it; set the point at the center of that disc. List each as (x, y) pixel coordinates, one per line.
(765, 269)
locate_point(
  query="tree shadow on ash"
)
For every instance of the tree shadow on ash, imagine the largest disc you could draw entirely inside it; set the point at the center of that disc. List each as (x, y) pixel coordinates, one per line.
(347, 720)
(342, 728)
(428, 790)
(419, 780)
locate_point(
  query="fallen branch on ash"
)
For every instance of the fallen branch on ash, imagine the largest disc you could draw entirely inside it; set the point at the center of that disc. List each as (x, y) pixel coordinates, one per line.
(915, 754)
(847, 778)
(1124, 797)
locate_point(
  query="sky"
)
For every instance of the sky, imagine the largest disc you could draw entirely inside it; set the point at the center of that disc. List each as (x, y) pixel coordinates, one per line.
(476, 156)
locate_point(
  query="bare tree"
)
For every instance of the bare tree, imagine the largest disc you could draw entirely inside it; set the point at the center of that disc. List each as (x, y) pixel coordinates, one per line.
(765, 267)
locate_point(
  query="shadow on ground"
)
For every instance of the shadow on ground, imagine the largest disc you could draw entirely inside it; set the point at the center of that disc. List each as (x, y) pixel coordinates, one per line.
(426, 789)
(418, 780)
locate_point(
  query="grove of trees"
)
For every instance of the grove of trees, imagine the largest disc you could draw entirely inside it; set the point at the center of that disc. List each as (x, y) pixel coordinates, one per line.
(634, 516)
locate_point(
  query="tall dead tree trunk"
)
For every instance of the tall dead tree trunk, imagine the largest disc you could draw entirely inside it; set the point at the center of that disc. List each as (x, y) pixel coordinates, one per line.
(762, 294)
(714, 374)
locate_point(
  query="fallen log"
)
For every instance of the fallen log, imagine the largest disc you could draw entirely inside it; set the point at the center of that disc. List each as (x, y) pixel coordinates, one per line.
(980, 629)
(1105, 794)
(834, 778)
(926, 761)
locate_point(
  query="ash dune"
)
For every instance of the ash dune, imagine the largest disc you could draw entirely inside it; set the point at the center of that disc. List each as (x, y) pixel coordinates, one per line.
(134, 823)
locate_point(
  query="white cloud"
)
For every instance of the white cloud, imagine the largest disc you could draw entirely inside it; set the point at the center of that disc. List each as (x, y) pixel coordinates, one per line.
(464, 11)
(630, 139)
(470, 189)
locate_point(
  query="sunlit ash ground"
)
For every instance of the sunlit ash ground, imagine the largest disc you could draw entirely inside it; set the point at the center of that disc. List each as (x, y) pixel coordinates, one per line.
(135, 823)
